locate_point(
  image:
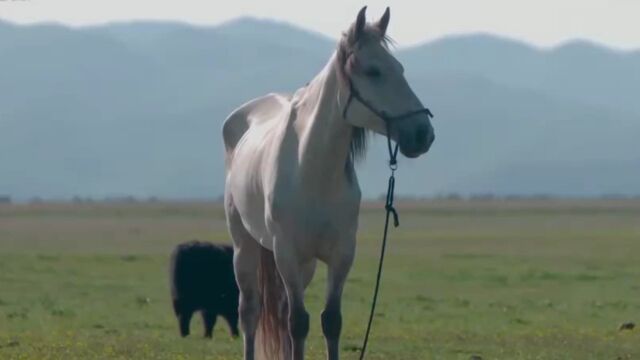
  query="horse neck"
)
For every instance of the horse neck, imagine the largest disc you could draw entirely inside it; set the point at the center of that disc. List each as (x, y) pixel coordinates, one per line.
(325, 137)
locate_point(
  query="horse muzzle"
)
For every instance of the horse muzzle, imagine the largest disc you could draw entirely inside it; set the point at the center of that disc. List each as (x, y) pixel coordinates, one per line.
(417, 140)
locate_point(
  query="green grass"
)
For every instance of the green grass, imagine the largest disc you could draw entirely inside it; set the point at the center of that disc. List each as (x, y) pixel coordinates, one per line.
(504, 280)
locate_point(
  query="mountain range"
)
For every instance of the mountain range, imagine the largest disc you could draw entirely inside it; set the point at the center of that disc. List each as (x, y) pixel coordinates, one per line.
(136, 109)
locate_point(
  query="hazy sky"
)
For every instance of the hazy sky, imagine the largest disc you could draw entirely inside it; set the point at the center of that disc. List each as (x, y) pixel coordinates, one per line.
(543, 22)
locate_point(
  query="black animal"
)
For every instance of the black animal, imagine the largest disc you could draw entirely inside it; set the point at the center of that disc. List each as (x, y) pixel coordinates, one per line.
(627, 326)
(202, 279)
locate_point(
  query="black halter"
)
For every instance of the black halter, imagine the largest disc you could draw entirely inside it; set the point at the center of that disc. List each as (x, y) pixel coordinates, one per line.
(355, 94)
(393, 151)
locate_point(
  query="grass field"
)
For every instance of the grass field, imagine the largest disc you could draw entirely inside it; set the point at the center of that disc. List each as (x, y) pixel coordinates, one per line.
(500, 279)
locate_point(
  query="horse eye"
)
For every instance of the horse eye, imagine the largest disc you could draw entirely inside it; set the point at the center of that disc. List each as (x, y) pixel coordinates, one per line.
(373, 72)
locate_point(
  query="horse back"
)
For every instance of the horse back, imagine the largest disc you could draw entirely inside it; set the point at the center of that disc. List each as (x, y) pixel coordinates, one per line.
(253, 113)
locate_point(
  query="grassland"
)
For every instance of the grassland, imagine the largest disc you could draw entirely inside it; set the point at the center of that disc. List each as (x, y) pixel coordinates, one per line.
(499, 279)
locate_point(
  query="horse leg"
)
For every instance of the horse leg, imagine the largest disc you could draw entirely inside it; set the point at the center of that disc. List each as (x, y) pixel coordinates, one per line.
(293, 277)
(246, 258)
(338, 268)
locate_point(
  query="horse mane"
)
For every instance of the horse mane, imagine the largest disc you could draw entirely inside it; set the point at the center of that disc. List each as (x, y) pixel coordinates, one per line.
(346, 63)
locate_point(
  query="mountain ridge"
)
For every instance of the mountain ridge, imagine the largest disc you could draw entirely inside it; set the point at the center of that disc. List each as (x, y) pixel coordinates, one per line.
(136, 109)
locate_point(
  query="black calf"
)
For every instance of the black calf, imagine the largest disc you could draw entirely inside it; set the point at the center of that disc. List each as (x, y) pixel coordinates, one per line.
(202, 280)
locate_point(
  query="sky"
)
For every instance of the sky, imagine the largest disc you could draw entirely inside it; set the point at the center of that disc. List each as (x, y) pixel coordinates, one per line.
(540, 22)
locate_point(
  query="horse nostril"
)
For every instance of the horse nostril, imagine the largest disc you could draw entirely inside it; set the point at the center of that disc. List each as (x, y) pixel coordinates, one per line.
(421, 135)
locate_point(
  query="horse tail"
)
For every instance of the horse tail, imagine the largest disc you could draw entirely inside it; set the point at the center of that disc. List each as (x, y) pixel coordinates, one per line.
(272, 338)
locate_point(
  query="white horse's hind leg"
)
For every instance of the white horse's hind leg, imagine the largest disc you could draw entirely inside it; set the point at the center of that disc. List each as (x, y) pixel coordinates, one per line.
(338, 268)
(295, 276)
(245, 261)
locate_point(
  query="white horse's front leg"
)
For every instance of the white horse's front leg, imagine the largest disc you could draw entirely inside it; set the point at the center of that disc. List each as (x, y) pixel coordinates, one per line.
(338, 268)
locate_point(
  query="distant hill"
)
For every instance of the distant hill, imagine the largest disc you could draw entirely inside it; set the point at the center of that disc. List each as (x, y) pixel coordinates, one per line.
(576, 70)
(136, 109)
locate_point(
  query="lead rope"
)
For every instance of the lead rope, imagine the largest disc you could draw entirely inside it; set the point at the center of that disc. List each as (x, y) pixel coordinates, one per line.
(393, 166)
(388, 206)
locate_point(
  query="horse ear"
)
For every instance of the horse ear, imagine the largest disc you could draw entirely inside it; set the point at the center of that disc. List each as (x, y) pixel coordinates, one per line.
(384, 21)
(361, 21)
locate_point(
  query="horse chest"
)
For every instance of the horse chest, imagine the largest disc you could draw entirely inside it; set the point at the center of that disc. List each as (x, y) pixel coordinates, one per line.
(314, 220)
(319, 223)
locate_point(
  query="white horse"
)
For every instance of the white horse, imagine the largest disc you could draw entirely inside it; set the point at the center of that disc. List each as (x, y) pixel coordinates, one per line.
(292, 196)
